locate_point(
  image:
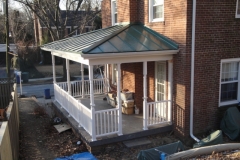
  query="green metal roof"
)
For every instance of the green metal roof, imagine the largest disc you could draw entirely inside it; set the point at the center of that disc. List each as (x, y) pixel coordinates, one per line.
(115, 39)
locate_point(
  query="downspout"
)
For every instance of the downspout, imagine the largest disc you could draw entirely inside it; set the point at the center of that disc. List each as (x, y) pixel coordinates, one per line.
(192, 70)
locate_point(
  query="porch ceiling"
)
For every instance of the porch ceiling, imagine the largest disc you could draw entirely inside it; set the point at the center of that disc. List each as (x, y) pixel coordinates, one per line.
(120, 41)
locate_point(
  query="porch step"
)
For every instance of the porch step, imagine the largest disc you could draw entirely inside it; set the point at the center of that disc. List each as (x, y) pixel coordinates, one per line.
(137, 142)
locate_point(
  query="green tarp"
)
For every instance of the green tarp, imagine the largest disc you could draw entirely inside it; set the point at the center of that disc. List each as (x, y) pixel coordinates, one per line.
(154, 153)
(213, 139)
(230, 123)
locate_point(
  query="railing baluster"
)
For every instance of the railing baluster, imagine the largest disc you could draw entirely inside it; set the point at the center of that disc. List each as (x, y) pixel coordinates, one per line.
(112, 122)
(101, 123)
(97, 125)
(108, 121)
(104, 122)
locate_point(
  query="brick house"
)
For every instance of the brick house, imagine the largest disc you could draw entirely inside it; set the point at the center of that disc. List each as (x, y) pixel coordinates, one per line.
(181, 59)
(73, 22)
(217, 54)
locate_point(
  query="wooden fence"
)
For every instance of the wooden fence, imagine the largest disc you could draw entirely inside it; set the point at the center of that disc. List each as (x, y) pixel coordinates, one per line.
(5, 92)
(9, 131)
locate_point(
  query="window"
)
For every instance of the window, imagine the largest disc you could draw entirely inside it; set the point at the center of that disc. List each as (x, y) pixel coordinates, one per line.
(156, 10)
(238, 9)
(114, 12)
(230, 78)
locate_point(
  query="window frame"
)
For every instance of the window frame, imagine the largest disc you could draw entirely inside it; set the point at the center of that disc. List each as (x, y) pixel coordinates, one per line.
(230, 102)
(113, 12)
(151, 19)
(237, 5)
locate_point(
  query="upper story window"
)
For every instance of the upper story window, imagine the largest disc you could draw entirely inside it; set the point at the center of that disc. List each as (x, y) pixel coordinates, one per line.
(230, 82)
(156, 10)
(114, 12)
(238, 9)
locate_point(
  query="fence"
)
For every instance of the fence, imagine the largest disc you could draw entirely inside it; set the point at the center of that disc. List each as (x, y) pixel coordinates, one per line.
(9, 131)
(5, 91)
(158, 112)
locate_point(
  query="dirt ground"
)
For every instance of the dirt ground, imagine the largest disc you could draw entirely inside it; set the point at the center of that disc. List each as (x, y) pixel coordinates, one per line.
(39, 140)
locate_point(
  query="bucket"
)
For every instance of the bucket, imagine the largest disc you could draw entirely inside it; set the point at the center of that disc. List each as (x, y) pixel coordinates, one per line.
(137, 111)
(17, 79)
(47, 93)
(25, 76)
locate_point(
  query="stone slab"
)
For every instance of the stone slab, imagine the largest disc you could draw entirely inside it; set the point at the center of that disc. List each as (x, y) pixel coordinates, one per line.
(137, 142)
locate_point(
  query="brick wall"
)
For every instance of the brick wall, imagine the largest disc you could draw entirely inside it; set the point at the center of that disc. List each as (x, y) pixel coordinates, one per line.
(124, 9)
(174, 27)
(217, 37)
(106, 13)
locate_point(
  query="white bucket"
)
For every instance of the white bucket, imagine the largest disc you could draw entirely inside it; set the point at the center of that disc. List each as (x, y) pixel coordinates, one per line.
(136, 111)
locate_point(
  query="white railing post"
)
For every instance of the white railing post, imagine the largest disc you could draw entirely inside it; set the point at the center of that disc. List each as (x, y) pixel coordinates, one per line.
(119, 101)
(82, 77)
(170, 86)
(54, 70)
(68, 77)
(107, 75)
(79, 113)
(145, 107)
(90, 71)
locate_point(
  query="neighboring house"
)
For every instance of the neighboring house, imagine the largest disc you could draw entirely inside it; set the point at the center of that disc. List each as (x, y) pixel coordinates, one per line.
(40, 30)
(182, 65)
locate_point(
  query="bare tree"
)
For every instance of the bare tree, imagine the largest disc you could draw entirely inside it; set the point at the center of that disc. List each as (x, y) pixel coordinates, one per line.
(55, 19)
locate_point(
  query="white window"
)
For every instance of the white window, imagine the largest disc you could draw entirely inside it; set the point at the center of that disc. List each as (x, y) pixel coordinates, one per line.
(114, 11)
(156, 10)
(238, 9)
(230, 78)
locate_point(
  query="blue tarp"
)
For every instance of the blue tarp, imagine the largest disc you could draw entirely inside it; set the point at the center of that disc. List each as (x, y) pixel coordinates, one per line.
(79, 156)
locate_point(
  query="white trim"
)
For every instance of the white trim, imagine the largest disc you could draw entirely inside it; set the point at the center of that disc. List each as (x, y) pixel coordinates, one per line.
(237, 15)
(128, 57)
(113, 12)
(230, 60)
(151, 19)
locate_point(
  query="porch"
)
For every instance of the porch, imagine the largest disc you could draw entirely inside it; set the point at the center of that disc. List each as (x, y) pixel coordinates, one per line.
(106, 124)
(115, 46)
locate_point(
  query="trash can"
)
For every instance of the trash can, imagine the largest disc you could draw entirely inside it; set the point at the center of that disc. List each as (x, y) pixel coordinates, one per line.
(25, 76)
(47, 94)
(17, 79)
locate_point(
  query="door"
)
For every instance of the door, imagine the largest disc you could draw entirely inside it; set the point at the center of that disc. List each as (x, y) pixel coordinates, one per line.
(160, 90)
(160, 81)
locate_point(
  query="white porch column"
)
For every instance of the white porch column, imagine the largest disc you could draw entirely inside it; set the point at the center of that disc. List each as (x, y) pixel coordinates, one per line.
(107, 76)
(90, 71)
(68, 77)
(119, 100)
(82, 77)
(170, 86)
(145, 109)
(54, 70)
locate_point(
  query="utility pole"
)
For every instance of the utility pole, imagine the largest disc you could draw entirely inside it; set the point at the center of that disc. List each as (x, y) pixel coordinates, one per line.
(7, 39)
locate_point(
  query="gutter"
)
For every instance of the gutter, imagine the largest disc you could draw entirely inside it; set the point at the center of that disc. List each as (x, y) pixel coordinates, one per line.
(192, 70)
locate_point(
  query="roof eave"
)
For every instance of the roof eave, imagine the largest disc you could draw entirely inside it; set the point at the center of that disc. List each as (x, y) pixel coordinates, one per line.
(124, 54)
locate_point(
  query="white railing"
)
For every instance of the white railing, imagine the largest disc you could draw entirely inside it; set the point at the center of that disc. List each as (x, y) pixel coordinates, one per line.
(74, 107)
(106, 122)
(76, 87)
(158, 112)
